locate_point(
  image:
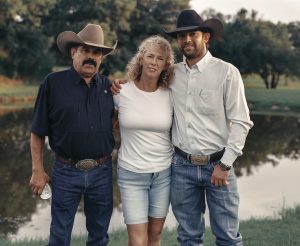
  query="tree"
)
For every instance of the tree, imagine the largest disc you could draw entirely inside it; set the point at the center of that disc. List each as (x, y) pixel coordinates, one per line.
(29, 29)
(129, 21)
(272, 52)
(257, 46)
(294, 33)
(73, 15)
(23, 47)
(148, 18)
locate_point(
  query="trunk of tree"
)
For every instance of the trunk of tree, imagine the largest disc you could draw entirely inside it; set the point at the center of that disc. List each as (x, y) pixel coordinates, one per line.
(264, 75)
(270, 78)
(274, 80)
(267, 83)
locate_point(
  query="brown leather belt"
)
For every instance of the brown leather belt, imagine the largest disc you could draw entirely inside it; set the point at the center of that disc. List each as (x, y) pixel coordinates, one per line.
(85, 164)
(200, 159)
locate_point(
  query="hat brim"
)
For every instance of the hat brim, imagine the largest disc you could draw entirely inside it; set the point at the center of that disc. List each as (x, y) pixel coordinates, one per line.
(68, 39)
(213, 26)
(173, 33)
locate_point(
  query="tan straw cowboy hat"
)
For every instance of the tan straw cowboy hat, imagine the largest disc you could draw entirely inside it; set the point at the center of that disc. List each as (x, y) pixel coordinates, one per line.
(91, 35)
(189, 20)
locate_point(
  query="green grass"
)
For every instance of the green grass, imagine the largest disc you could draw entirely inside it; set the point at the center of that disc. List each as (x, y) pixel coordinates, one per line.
(285, 100)
(26, 242)
(289, 97)
(255, 81)
(257, 232)
(279, 101)
(283, 231)
(18, 90)
(17, 96)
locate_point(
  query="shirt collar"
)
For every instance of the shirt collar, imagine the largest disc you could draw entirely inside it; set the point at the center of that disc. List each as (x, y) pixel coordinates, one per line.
(74, 75)
(200, 65)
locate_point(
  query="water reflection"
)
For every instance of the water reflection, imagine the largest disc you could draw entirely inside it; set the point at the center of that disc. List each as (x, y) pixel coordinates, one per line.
(272, 140)
(17, 204)
(270, 189)
(271, 136)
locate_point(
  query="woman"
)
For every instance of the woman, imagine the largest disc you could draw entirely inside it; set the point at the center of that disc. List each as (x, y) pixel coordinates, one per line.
(145, 116)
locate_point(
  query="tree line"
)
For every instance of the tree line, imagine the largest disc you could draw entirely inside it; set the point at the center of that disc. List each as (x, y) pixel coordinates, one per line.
(28, 31)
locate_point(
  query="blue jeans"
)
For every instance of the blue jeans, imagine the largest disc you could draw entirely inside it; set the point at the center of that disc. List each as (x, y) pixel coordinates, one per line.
(68, 186)
(190, 186)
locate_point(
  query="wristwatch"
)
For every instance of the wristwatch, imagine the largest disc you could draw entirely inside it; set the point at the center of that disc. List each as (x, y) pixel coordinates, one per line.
(224, 167)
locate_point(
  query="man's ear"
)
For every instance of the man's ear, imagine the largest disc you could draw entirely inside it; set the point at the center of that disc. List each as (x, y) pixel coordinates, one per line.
(72, 51)
(206, 37)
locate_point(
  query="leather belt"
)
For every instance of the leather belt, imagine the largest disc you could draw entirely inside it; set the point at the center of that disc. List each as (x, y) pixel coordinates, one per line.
(83, 165)
(200, 159)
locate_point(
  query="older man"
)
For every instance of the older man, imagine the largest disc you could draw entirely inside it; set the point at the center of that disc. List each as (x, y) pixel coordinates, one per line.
(74, 109)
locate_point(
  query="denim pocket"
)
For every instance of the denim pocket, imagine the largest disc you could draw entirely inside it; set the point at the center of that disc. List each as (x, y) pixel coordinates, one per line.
(106, 165)
(177, 160)
(211, 166)
(174, 157)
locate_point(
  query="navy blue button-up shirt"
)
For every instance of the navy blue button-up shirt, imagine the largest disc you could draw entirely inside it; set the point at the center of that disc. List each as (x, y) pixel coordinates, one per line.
(76, 118)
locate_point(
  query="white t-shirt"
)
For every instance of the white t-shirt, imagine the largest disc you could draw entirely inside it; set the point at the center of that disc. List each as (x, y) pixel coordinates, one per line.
(145, 120)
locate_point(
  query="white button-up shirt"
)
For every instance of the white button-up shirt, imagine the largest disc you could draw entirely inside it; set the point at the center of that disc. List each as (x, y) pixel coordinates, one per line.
(210, 108)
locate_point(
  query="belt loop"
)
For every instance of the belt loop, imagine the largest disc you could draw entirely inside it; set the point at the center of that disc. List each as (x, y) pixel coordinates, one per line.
(189, 157)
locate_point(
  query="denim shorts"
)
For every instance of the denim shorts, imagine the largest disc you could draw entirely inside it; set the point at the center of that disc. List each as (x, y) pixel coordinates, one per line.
(144, 195)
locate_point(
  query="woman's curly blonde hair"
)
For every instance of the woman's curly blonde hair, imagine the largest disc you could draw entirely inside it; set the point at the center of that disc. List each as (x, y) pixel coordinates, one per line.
(134, 67)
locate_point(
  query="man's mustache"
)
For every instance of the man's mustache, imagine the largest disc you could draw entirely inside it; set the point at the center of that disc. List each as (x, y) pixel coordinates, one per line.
(187, 44)
(90, 61)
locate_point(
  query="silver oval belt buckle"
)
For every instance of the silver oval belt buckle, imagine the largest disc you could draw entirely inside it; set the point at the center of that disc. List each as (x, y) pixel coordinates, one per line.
(199, 160)
(86, 164)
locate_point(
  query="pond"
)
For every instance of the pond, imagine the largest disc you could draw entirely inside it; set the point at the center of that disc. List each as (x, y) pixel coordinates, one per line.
(268, 176)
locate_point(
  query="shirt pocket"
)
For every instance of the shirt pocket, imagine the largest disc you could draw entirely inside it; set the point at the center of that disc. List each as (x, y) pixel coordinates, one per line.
(206, 101)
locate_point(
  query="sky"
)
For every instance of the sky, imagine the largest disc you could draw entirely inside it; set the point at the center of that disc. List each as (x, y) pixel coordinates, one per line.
(273, 10)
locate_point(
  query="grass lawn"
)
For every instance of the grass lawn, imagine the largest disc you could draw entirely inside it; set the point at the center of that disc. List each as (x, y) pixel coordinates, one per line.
(280, 101)
(283, 231)
(255, 81)
(283, 100)
(17, 96)
(18, 90)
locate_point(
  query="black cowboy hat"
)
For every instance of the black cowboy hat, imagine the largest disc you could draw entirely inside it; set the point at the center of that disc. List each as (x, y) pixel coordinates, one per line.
(189, 20)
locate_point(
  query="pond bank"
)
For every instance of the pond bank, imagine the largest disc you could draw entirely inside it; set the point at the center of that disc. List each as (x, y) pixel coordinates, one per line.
(269, 232)
(280, 101)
